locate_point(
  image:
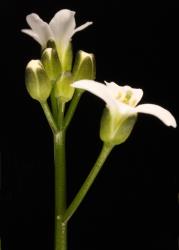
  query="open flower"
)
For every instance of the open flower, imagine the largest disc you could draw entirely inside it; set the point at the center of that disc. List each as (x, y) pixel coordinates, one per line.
(121, 103)
(60, 29)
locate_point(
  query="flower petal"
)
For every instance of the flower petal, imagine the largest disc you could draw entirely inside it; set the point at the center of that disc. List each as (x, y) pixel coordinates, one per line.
(164, 115)
(99, 90)
(125, 109)
(136, 96)
(40, 28)
(113, 88)
(63, 25)
(32, 34)
(82, 27)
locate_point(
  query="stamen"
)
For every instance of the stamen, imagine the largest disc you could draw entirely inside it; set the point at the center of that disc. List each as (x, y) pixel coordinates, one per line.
(127, 97)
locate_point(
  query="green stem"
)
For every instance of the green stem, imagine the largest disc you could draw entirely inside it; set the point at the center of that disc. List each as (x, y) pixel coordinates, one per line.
(72, 108)
(49, 117)
(60, 191)
(61, 111)
(53, 101)
(106, 149)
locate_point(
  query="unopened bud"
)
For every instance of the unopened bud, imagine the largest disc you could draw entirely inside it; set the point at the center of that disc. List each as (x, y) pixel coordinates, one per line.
(63, 88)
(67, 58)
(84, 66)
(37, 82)
(51, 63)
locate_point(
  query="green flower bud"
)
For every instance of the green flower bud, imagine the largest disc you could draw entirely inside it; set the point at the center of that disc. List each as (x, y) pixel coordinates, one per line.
(37, 82)
(51, 63)
(63, 88)
(84, 66)
(66, 58)
(115, 129)
(65, 55)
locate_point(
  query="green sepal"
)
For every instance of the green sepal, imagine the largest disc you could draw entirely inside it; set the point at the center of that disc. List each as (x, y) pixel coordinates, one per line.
(115, 129)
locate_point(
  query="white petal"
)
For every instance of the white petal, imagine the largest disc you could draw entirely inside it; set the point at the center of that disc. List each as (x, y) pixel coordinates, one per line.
(164, 115)
(40, 28)
(82, 27)
(32, 34)
(113, 88)
(136, 95)
(63, 25)
(125, 109)
(99, 90)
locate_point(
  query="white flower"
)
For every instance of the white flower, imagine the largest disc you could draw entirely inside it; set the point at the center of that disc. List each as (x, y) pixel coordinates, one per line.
(61, 29)
(123, 101)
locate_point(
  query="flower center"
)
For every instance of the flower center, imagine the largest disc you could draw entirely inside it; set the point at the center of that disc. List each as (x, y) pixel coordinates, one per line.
(126, 97)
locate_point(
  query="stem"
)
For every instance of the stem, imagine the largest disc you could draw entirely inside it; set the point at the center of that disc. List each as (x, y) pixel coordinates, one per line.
(72, 108)
(61, 111)
(60, 191)
(53, 101)
(49, 117)
(106, 149)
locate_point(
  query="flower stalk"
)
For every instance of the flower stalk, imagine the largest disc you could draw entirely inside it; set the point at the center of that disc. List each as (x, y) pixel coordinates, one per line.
(72, 108)
(49, 117)
(54, 104)
(60, 191)
(106, 149)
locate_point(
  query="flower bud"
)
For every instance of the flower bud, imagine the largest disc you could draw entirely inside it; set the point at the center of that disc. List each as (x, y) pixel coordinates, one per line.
(65, 55)
(66, 58)
(115, 129)
(63, 88)
(84, 66)
(51, 63)
(37, 82)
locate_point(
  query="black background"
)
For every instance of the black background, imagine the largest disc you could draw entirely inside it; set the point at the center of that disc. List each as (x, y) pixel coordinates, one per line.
(133, 202)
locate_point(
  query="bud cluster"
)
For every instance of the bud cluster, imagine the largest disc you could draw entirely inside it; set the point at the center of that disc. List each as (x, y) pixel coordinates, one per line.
(53, 73)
